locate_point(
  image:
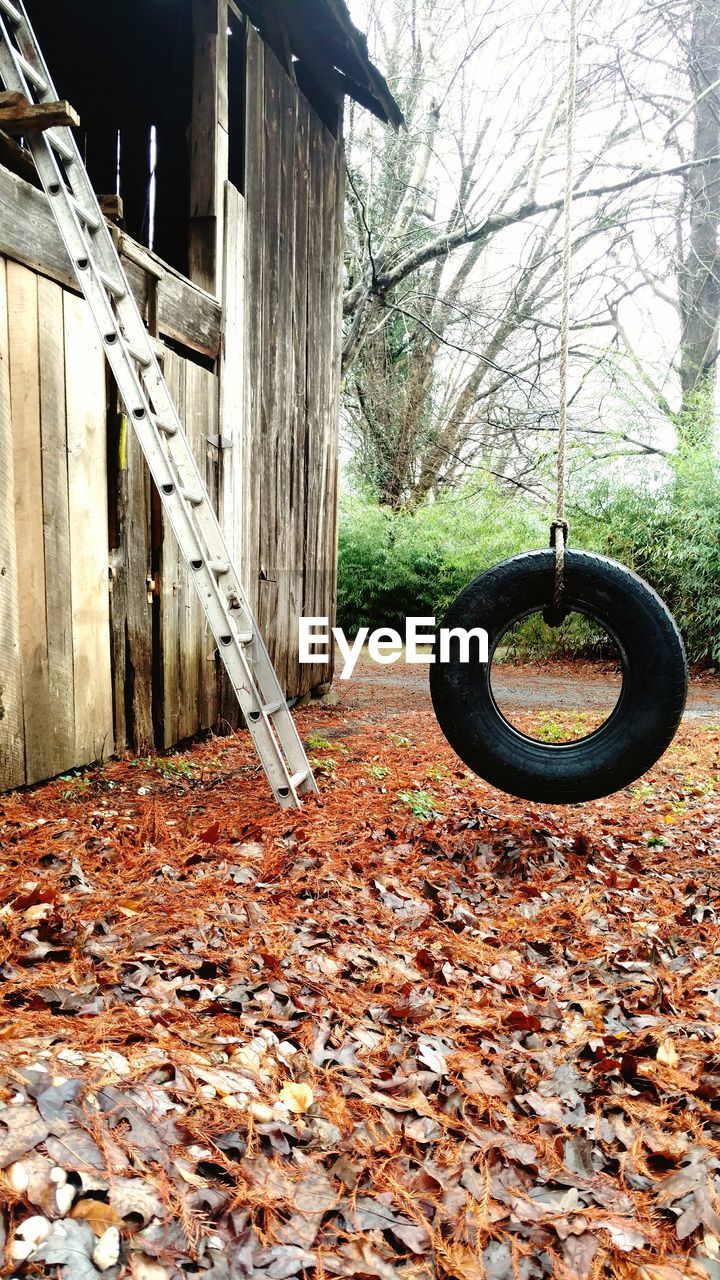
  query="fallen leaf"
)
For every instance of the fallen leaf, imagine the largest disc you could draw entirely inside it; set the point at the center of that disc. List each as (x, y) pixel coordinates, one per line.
(298, 1098)
(21, 1129)
(97, 1213)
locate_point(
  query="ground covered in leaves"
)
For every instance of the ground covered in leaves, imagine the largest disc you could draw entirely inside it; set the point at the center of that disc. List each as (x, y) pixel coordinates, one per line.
(417, 1030)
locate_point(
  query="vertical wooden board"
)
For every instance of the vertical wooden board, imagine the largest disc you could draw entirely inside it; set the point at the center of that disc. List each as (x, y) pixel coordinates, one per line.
(169, 587)
(336, 374)
(316, 337)
(86, 406)
(208, 140)
(188, 620)
(208, 396)
(188, 673)
(324, 248)
(201, 410)
(284, 375)
(254, 288)
(232, 388)
(130, 611)
(12, 736)
(25, 410)
(273, 321)
(326, 214)
(299, 678)
(231, 461)
(334, 259)
(60, 724)
(139, 609)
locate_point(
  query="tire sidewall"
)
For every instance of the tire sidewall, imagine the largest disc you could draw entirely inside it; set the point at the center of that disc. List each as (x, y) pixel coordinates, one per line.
(651, 701)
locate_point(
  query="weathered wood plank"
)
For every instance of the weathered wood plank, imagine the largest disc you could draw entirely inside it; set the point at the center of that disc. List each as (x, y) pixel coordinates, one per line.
(130, 610)
(191, 625)
(60, 725)
(330, 540)
(254, 288)
(19, 115)
(188, 667)
(284, 375)
(274, 319)
(25, 410)
(12, 735)
(300, 679)
(87, 487)
(316, 426)
(139, 640)
(291, 359)
(231, 427)
(208, 142)
(202, 407)
(17, 160)
(28, 234)
(231, 423)
(171, 593)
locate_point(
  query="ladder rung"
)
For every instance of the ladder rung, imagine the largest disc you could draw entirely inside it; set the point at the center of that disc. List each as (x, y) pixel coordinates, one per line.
(65, 152)
(192, 496)
(244, 637)
(219, 567)
(272, 707)
(88, 216)
(167, 427)
(11, 12)
(32, 75)
(142, 357)
(297, 778)
(117, 290)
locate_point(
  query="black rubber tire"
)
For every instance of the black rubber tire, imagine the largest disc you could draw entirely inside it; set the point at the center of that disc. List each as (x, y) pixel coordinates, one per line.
(647, 713)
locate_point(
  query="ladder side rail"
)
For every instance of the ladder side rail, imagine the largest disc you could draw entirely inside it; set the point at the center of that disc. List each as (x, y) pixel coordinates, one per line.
(76, 174)
(216, 550)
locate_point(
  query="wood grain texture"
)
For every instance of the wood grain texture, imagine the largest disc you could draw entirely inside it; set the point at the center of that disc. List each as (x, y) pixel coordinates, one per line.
(60, 725)
(255, 239)
(87, 489)
(170, 588)
(274, 320)
(28, 234)
(274, 395)
(284, 379)
(315, 373)
(299, 679)
(293, 247)
(201, 419)
(231, 461)
(27, 457)
(187, 647)
(208, 142)
(130, 610)
(12, 733)
(18, 115)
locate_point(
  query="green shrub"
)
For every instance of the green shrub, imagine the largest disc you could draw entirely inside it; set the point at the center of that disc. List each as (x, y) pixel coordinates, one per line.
(668, 531)
(395, 564)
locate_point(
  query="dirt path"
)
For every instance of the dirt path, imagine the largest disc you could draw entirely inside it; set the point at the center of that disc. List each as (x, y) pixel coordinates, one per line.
(552, 686)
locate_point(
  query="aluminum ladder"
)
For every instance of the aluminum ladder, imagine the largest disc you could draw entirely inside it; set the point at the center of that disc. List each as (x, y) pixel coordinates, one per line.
(151, 410)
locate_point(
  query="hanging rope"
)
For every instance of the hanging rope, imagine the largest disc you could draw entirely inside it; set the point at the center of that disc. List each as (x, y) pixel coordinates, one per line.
(559, 526)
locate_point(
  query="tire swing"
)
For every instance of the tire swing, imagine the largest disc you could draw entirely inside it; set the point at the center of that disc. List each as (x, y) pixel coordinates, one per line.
(555, 582)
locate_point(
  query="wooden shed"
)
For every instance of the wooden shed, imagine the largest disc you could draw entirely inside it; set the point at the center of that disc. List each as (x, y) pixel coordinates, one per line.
(212, 130)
